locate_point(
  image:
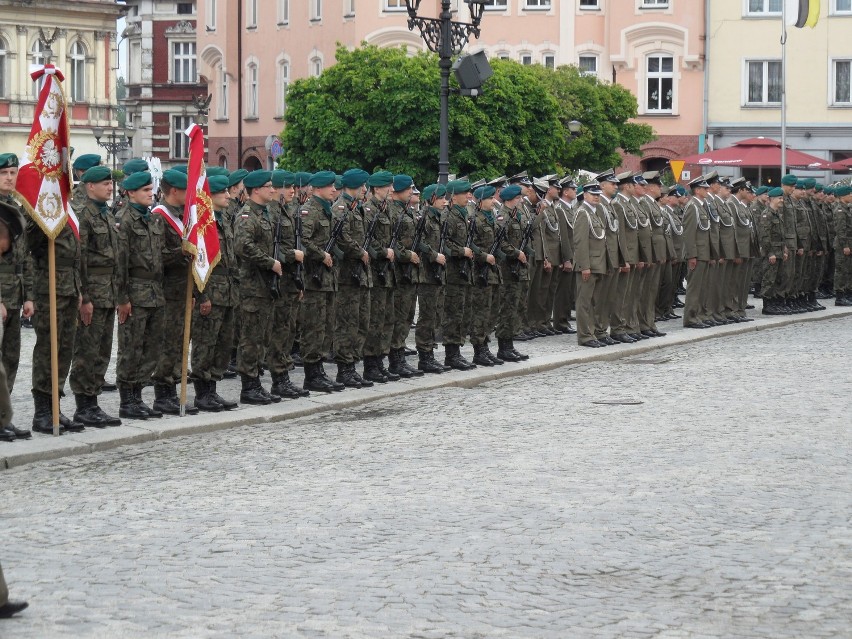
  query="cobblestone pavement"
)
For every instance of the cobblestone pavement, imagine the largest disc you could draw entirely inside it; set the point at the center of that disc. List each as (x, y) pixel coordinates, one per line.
(719, 506)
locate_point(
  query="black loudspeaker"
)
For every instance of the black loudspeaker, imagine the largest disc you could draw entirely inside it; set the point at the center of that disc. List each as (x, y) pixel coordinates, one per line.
(472, 70)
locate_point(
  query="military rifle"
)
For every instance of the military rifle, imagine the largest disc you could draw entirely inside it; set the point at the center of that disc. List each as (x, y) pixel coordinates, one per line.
(486, 268)
(299, 273)
(471, 232)
(276, 255)
(438, 269)
(408, 276)
(368, 237)
(515, 268)
(336, 232)
(382, 269)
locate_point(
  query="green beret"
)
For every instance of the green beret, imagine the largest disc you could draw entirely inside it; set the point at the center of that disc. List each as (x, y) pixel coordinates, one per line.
(136, 181)
(278, 178)
(338, 181)
(289, 177)
(457, 187)
(175, 178)
(819, 187)
(777, 191)
(761, 190)
(8, 160)
(809, 183)
(380, 178)
(484, 192)
(789, 180)
(680, 191)
(97, 174)
(302, 178)
(12, 217)
(843, 190)
(402, 182)
(510, 192)
(86, 161)
(800, 184)
(322, 179)
(354, 178)
(431, 190)
(237, 176)
(219, 171)
(256, 179)
(181, 168)
(134, 166)
(828, 190)
(217, 183)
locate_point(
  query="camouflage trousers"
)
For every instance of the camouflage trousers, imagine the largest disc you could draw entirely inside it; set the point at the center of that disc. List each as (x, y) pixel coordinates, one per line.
(351, 323)
(92, 352)
(169, 364)
(317, 326)
(404, 301)
(509, 322)
(5, 420)
(282, 332)
(430, 301)
(772, 282)
(381, 321)
(842, 272)
(10, 347)
(212, 341)
(66, 326)
(482, 302)
(139, 338)
(255, 317)
(456, 297)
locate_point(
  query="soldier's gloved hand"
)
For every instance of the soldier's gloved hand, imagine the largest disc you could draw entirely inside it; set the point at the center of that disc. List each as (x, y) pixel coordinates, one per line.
(772, 259)
(390, 255)
(276, 268)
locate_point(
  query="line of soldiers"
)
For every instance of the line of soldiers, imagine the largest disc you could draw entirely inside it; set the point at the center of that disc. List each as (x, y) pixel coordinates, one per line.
(322, 266)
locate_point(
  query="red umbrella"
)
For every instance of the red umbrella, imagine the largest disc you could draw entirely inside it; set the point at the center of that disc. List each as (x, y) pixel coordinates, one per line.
(758, 152)
(842, 165)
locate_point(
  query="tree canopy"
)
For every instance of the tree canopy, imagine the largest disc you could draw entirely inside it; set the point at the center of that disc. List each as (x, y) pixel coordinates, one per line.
(379, 109)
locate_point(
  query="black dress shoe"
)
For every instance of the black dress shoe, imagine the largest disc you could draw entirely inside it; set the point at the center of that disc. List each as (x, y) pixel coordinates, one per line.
(649, 333)
(7, 435)
(673, 316)
(12, 608)
(709, 323)
(548, 332)
(750, 307)
(608, 341)
(659, 333)
(623, 338)
(571, 330)
(592, 344)
(697, 325)
(746, 319)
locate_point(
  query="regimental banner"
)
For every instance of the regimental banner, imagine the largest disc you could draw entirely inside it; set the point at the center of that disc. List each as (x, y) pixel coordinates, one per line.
(802, 13)
(44, 177)
(201, 237)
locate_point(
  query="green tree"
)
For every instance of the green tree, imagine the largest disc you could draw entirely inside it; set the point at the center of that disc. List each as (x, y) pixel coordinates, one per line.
(379, 108)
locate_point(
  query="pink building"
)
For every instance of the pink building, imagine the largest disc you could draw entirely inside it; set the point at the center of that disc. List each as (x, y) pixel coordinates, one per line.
(250, 50)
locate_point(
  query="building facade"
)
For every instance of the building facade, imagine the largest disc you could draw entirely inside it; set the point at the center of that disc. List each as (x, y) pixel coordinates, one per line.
(79, 37)
(250, 51)
(163, 83)
(744, 78)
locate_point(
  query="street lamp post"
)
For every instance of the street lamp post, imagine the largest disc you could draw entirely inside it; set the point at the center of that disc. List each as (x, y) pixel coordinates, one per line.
(117, 140)
(447, 38)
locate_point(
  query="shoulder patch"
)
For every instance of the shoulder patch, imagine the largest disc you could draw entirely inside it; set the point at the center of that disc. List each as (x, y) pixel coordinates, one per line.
(304, 212)
(367, 208)
(340, 207)
(244, 215)
(499, 218)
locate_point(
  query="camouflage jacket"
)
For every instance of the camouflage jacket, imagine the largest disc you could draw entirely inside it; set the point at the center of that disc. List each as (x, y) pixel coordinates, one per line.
(99, 254)
(140, 258)
(16, 268)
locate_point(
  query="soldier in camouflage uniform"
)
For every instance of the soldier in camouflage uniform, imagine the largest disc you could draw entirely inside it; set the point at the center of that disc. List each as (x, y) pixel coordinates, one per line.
(15, 284)
(514, 272)
(383, 277)
(80, 166)
(99, 256)
(175, 273)
(352, 306)
(459, 275)
(842, 212)
(430, 290)
(254, 242)
(140, 296)
(407, 274)
(321, 282)
(286, 305)
(11, 229)
(485, 292)
(213, 314)
(236, 201)
(67, 249)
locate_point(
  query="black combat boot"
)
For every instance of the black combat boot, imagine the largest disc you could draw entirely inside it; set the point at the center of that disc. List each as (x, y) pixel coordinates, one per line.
(479, 356)
(396, 357)
(372, 372)
(454, 359)
(403, 363)
(505, 352)
(814, 301)
(109, 420)
(163, 401)
(189, 409)
(365, 383)
(137, 393)
(42, 415)
(282, 387)
(203, 399)
(85, 413)
(523, 356)
(380, 362)
(226, 403)
(314, 381)
(435, 361)
(20, 433)
(7, 435)
(335, 386)
(496, 360)
(426, 363)
(128, 408)
(252, 393)
(345, 377)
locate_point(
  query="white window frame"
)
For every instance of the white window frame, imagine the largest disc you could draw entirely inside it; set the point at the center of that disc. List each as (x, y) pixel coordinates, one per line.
(316, 10)
(37, 59)
(210, 18)
(180, 141)
(77, 66)
(348, 8)
(526, 55)
(593, 56)
(538, 5)
(595, 6)
(223, 87)
(833, 85)
(840, 12)
(252, 89)
(544, 59)
(393, 6)
(4, 66)
(283, 12)
(659, 75)
(315, 66)
(282, 85)
(763, 13)
(497, 5)
(191, 57)
(654, 4)
(765, 89)
(251, 14)
(504, 55)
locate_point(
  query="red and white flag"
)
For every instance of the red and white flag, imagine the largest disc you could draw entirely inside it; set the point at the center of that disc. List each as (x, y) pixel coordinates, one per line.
(201, 236)
(44, 177)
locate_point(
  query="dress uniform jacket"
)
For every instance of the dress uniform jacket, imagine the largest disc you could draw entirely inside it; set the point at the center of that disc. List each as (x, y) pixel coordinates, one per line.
(590, 244)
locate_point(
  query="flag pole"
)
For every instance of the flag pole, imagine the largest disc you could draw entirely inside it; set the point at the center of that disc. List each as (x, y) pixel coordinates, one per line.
(54, 343)
(783, 88)
(187, 324)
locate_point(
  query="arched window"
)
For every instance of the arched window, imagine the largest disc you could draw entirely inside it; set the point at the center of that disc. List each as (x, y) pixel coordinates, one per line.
(38, 59)
(316, 66)
(77, 65)
(4, 58)
(221, 91)
(252, 79)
